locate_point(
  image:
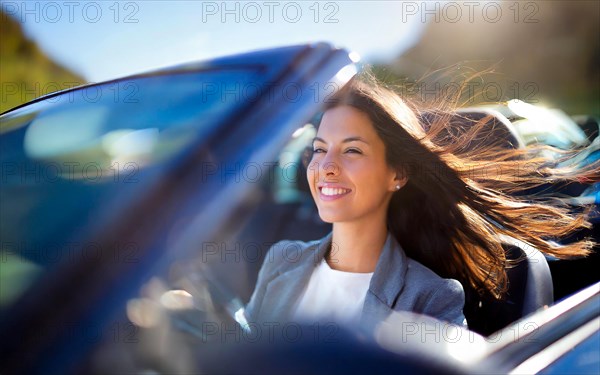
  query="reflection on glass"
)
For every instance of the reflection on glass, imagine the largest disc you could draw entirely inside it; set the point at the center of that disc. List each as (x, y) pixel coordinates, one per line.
(68, 162)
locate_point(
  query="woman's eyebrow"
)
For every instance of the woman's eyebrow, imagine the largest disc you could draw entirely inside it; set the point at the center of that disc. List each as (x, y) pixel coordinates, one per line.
(349, 139)
(355, 139)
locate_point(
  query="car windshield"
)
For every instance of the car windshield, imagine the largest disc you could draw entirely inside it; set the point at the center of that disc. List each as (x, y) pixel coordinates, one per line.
(70, 159)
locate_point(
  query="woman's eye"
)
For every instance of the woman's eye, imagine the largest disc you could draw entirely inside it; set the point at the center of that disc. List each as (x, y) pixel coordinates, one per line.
(318, 150)
(354, 151)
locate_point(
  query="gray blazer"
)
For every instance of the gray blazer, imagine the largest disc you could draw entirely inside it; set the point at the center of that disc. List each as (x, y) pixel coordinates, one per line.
(398, 284)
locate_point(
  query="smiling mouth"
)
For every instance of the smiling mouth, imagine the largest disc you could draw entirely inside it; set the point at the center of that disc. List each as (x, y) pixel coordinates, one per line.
(333, 192)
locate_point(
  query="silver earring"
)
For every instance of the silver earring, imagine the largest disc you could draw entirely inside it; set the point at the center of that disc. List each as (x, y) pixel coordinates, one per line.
(397, 187)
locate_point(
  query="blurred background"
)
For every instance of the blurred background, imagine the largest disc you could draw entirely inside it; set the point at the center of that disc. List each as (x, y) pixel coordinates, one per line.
(543, 52)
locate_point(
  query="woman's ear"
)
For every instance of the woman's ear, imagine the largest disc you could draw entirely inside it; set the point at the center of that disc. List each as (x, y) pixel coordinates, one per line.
(400, 179)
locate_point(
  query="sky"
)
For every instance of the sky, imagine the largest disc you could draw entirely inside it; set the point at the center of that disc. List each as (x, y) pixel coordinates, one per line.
(107, 39)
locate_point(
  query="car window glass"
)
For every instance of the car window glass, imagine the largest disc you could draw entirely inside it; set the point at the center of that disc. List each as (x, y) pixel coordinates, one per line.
(66, 157)
(199, 303)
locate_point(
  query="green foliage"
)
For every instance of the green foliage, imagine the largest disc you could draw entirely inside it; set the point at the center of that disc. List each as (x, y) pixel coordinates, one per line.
(25, 70)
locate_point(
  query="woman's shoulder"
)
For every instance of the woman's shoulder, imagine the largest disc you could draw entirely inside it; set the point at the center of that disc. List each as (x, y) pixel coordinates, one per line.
(287, 254)
(420, 276)
(428, 293)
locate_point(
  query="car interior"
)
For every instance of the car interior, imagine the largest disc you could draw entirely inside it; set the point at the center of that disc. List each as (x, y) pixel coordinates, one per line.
(168, 320)
(287, 211)
(201, 291)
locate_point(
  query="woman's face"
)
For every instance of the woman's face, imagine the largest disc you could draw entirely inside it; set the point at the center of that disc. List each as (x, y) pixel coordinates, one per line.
(348, 175)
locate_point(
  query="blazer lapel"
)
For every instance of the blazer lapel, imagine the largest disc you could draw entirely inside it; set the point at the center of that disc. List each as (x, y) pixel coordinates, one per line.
(285, 289)
(386, 284)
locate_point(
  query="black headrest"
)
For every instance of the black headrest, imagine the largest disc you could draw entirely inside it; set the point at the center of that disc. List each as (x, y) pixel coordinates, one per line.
(497, 130)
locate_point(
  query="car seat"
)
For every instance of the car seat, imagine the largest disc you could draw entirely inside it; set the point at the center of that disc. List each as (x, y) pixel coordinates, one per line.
(530, 284)
(497, 130)
(529, 289)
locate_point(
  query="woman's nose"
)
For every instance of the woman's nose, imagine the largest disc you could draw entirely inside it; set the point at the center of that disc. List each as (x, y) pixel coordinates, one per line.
(329, 165)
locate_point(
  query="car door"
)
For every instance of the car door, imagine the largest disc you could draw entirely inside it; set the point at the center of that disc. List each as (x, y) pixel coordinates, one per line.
(104, 186)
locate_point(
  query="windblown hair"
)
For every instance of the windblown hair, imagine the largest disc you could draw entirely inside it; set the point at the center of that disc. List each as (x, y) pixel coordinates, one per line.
(459, 200)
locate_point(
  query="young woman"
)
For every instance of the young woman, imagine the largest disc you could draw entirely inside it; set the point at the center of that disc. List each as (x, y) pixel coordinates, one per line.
(416, 215)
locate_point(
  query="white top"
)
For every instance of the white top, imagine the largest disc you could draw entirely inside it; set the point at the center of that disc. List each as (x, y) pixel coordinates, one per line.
(333, 294)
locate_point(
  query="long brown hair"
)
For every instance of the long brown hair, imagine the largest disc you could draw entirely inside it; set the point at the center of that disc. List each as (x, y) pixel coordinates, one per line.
(459, 199)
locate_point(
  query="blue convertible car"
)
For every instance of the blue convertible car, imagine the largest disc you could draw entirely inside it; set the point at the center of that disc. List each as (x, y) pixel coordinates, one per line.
(136, 213)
